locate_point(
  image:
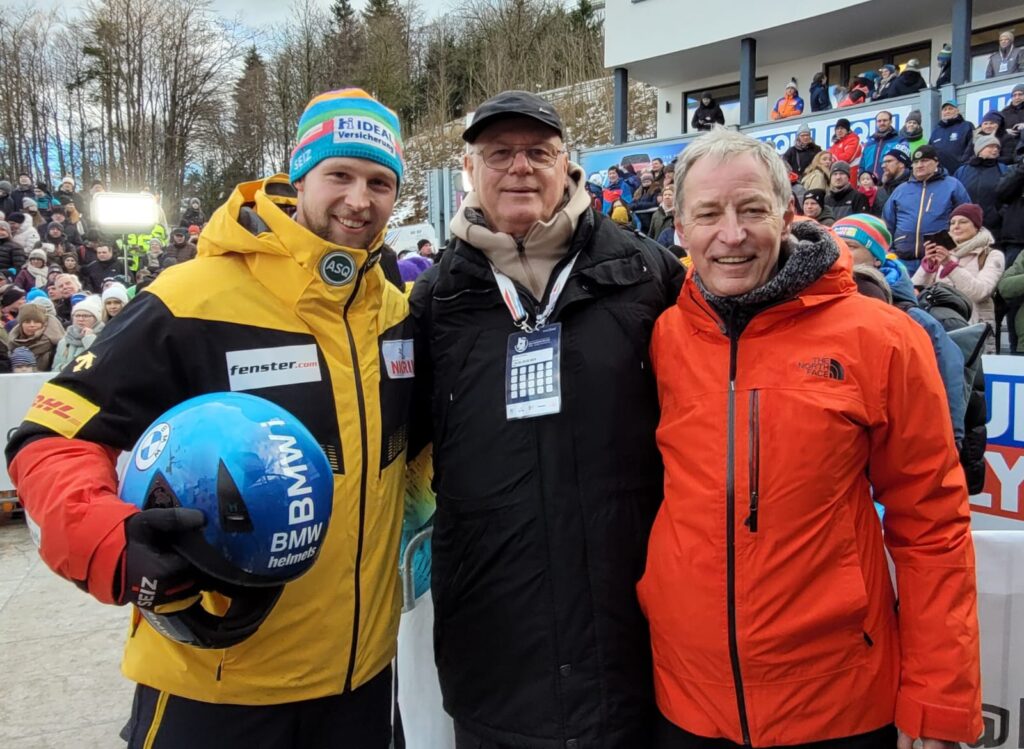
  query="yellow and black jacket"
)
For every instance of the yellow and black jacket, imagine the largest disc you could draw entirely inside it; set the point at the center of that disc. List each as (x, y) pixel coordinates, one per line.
(254, 295)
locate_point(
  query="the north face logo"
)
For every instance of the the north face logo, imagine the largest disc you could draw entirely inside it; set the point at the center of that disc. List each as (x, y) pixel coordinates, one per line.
(825, 367)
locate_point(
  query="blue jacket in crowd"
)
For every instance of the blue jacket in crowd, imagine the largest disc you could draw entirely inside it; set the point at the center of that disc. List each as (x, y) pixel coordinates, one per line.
(917, 208)
(875, 149)
(820, 100)
(951, 139)
(620, 190)
(947, 353)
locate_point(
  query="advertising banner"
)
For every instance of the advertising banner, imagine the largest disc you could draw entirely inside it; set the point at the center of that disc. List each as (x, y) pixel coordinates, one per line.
(999, 505)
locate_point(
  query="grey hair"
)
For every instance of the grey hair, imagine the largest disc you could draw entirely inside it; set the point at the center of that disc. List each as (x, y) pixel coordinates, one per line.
(69, 276)
(721, 144)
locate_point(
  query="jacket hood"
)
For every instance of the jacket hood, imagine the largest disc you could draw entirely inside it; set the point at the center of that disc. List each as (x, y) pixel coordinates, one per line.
(257, 224)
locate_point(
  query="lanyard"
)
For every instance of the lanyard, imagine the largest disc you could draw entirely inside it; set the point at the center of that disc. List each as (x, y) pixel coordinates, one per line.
(515, 304)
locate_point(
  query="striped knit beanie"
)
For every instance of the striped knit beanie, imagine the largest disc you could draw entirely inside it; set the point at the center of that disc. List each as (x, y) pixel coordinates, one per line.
(348, 122)
(869, 230)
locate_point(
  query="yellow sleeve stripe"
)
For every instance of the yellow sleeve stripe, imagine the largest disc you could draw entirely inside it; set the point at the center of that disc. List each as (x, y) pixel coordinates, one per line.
(61, 410)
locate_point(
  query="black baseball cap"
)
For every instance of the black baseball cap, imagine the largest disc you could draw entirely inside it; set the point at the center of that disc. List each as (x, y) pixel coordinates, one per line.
(512, 104)
(926, 152)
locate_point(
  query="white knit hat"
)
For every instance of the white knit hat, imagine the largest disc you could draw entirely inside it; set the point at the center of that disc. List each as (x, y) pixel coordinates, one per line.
(115, 291)
(92, 305)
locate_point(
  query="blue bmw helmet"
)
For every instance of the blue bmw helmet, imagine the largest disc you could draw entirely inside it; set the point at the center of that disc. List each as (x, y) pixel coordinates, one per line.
(266, 490)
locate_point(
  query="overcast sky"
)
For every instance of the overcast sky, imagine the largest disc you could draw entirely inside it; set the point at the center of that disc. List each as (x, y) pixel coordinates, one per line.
(263, 12)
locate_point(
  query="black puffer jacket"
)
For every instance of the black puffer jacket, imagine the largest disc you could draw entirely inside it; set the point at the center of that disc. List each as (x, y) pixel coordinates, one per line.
(11, 255)
(542, 524)
(1010, 191)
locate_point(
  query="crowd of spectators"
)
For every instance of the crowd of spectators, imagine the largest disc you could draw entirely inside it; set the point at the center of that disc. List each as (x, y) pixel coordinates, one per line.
(952, 200)
(62, 279)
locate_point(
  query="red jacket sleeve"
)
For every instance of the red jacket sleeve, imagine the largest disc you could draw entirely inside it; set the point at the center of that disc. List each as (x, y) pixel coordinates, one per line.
(916, 475)
(68, 488)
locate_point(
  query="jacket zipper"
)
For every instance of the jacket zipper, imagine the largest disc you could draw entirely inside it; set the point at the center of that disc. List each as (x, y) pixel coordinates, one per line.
(920, 215)
(754, 459)
(730, 531)
(361, 404)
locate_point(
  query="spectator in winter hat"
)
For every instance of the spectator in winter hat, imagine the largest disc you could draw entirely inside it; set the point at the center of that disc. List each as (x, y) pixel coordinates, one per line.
(896, 167)
(814, 207)
(24, 189)
(887, 76)
(7, 204)
(911, 133)
(846, 146)
(179, 248)
(31, 333)
(842, 198)
(951, 137)
(944, 60)
(921, 206)
(1013, 112)
(12, 298)
(424, 248)
(981, 176)
(800, 155)
(33, 275)
(115, 297)
(11, 254)
(868, 185)
(708, 113)
(86, 323)
(789, 105)
(23, 361)
(973, 267)
(1007, 60)
(992, 125)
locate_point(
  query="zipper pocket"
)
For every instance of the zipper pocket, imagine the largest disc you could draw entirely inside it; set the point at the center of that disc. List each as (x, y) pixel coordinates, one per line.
(754, 458)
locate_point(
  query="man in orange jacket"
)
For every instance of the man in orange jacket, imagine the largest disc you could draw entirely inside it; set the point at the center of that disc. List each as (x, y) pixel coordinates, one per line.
(789, 402)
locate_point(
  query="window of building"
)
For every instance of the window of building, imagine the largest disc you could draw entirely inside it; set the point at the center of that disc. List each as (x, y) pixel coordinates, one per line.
(728, 98)
(841, 72)
(986, 41)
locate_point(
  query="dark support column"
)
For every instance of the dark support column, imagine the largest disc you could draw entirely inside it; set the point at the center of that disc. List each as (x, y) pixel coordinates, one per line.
(961, 62)
(621, 104)
(748, 79)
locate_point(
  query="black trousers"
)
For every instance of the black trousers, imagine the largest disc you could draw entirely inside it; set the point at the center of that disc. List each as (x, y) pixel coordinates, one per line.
(357, 720)
(671, 736)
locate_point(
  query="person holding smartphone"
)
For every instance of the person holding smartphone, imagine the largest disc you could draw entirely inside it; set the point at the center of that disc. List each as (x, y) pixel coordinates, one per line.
(965, 259)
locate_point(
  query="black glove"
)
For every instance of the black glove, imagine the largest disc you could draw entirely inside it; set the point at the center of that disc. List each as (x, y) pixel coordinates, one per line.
(152, 572)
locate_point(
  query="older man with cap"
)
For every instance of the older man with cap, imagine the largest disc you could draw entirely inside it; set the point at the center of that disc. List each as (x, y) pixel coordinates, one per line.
(532, 335)
(951, 137)
(290, 276)
(921, 206)
(1007, 60)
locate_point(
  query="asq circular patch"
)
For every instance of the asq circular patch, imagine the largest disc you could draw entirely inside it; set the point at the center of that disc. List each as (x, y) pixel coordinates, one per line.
(338, 268)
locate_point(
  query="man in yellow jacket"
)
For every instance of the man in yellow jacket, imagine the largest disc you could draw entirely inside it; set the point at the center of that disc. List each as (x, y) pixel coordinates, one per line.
(288, 269)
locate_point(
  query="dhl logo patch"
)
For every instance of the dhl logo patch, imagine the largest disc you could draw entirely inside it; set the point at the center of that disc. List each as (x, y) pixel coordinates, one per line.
(60, 410)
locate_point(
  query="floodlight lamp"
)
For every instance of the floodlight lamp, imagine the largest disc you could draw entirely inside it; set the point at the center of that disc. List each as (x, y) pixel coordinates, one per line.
(125, 212)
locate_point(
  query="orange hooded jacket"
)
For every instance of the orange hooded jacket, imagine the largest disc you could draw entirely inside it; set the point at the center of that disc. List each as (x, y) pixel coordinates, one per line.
(772, 613)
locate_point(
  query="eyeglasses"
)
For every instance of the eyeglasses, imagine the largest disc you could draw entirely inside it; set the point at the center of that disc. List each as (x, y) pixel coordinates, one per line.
(501, 158)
